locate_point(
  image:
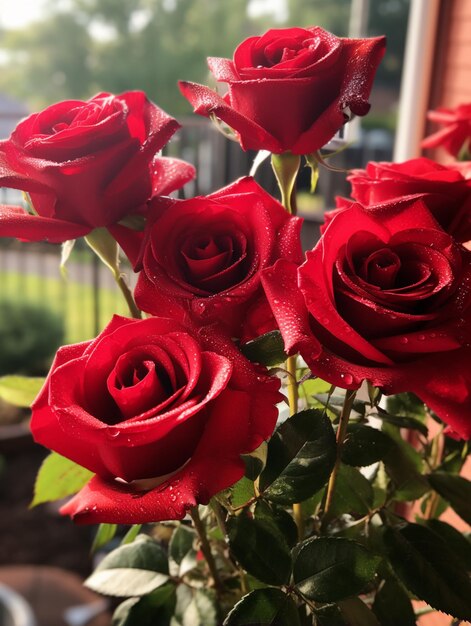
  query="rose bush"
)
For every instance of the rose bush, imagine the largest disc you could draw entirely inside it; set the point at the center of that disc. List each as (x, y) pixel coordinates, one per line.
(87, 164)
(290, 89)
(203, 257)
(455, 137)
(387, 301)
(446, 193)
(160, 413)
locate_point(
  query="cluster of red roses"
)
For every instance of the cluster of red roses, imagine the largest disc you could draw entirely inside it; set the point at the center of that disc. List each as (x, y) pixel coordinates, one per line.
(161, 409)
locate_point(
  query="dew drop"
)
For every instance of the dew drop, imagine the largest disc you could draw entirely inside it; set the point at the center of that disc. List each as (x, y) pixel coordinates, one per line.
(404, 340)
(421, 337)
(112, 432)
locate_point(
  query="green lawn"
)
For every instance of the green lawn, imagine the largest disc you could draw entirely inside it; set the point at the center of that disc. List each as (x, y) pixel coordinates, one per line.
(71, 299)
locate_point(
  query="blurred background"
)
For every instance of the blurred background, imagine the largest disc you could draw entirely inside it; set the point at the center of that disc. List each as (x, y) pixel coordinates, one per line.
(53, 50)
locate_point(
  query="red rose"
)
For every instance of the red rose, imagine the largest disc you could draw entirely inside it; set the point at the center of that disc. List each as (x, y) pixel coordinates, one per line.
(203, 257)
(446, 193)
(86, 165)
(388, 301)
(455, 137)
(291, 89)
(159, 413)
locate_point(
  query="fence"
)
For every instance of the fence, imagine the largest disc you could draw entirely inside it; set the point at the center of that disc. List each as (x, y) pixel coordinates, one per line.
(89, 297)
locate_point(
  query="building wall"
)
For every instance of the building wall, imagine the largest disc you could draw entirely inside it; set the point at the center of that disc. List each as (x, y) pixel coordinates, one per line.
(454, 55)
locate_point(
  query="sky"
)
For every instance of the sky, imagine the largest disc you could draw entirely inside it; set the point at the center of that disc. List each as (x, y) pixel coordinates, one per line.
(15, 13)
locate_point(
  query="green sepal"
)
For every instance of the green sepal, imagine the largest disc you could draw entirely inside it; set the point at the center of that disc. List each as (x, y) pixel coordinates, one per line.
(106, 248)
(286, 168)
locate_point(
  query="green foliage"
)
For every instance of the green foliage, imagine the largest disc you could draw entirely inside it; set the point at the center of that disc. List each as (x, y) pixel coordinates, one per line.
(267, 349)
(135, 569)
(364, 445)
(392, 605)
(301, 455)
(104, 535)
(328, 569)
(264, 607)
(429, 569)
(29, 336)
(156, 608)
(57, 478)
(20, 390)
(261, 548)
(455, 490)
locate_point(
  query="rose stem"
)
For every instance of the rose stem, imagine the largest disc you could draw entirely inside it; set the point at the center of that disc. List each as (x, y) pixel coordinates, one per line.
(122, 284)
(341, 432)
(205, 547)
(286, 168)
(106, 248)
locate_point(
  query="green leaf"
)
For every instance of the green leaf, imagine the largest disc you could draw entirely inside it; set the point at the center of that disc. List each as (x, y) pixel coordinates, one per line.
(312, 386)
(260, 548)
(267, 349)
(402, 421)
(264, 607)
(357, 613)
(155, 608)
(328, 569)
(280, 518)
(330, 615)
(134, 569)
(20, 390)
(57, 478)
(104, 534)
(181, 543)
(404, 466)
(455, 540)
(406, 405)
(364, 445)
(301, 455)
(454, 489)
(353, 493)
(392, 605)
(242, 492)
(202, 610)
(255, 461)
(429, 569)
(181, 551)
